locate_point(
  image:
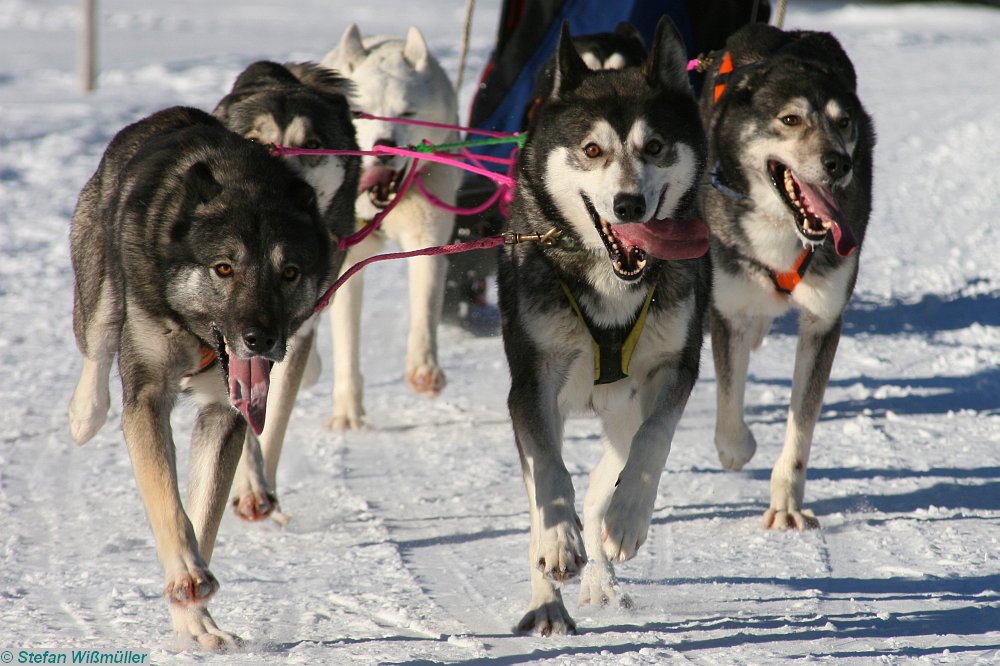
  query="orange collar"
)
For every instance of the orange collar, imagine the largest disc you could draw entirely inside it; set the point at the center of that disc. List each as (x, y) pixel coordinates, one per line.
(208, 357)
(785, 282)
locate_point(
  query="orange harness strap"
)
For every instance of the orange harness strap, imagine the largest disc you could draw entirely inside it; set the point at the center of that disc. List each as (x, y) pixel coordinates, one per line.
(785, 282)
(722, 78)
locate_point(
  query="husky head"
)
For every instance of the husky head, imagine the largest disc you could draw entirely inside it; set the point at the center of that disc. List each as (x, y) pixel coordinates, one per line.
(394, 78)
(246, 257)
(619, 153)
(788, 128)
(301, 106)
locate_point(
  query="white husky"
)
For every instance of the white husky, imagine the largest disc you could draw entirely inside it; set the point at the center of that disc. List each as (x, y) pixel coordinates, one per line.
(395, 78)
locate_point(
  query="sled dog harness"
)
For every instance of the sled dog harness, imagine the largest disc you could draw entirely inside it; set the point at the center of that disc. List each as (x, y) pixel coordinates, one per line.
(786, 281)
(613, 346)
(722, 78)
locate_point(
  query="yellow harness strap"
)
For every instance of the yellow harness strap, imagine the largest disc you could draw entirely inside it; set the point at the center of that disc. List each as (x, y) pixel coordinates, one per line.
(613, 347)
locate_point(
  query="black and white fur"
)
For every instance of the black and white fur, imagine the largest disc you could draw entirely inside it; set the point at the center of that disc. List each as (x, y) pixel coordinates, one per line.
(298, 105)
(790, 106)
(187, 236)
(644, 124)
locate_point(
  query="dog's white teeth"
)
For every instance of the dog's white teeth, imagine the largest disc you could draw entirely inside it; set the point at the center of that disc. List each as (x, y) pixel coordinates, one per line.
(640, 264)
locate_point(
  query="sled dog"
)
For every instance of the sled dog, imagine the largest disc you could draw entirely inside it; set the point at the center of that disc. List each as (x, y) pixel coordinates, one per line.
(608, 318)
(787, 200)
(395, 78)
(197, 256)
(299, 105)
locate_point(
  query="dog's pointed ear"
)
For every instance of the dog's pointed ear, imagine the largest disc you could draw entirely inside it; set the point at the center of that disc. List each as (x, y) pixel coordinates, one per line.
(666, 64)
(570, 67)
(415, 50)
(200, 185)
(351, 49)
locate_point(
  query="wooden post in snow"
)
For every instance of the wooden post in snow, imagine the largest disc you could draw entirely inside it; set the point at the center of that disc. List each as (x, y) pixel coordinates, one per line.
(88, 46)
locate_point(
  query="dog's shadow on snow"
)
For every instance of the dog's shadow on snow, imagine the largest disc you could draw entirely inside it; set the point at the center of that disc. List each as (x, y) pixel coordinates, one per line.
(979, 391)
(931, 314)
(854, 631)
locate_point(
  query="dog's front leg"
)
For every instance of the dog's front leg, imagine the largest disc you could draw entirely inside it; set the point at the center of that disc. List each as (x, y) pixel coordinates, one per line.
(556, 553)
(215, 451)
(423, 374)
(626, 523)
(732, 338)
(345, 333)
(429, 227)
(817, 346)
(147, 403)
(599, 586)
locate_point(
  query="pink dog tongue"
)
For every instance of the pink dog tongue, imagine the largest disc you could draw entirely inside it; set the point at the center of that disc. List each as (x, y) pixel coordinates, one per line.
(248, 383)
(819, 200)
(665, 239)
(374, 176)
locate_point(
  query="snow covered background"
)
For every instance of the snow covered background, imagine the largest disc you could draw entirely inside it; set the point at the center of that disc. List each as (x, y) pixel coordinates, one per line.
(408, 541)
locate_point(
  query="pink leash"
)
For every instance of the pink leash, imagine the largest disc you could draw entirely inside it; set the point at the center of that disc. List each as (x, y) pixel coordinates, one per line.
(481, 244)
(505, 185)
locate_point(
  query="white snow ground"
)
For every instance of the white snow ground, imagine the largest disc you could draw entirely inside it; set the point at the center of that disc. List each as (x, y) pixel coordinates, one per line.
(408, 541)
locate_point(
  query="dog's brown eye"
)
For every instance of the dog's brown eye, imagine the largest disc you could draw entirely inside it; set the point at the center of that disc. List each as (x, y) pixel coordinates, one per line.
(223, 270)
(312, 144)
(592, 150)
(653, 147)
(844, 123)
(290, 273)
(792, 120)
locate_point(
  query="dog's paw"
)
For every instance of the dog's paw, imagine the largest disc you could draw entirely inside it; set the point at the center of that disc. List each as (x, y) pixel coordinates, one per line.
(190, 585)
(348, 414)
(561, 555)
(782, 520)
(626, 523)
(426, 380)
(735, 449)
(254, 506)
(194, 625)
(599, 587)
(547, 619)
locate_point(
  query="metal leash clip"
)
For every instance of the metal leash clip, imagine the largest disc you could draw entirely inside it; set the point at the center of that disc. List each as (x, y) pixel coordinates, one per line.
(548, 239)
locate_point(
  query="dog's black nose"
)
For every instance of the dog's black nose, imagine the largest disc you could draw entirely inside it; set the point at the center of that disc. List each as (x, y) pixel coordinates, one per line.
(629, 207)
(389, 143)
(258, 340)
(837, 164)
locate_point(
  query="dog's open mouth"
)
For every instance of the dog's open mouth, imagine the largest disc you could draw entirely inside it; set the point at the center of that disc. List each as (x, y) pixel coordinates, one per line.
(247, 380)
(631, 244)
(381, 184)
(814, 207)
(627, 261)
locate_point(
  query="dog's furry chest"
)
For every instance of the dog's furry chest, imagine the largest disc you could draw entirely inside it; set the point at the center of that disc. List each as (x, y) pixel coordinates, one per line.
(566, 350)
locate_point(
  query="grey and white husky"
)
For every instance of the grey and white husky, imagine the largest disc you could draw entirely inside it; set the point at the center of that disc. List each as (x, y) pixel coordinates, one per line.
(609, 317)
(197, 256)
(298, 105)
(787, 202)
